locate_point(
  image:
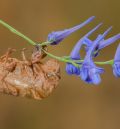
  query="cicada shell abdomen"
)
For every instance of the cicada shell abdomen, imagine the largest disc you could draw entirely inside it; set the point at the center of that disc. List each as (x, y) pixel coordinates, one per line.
(28, 78)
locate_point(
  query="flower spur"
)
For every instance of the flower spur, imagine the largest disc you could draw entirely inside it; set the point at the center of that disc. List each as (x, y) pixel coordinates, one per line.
(103, 43)
(56, 37)
(75, 54)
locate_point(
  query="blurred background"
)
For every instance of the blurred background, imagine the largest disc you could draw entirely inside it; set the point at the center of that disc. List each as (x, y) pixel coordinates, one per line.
(74, 104)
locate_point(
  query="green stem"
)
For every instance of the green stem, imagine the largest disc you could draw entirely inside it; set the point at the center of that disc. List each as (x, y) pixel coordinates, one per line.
(74, 62)
(63, 59)
(45, 43)
(17, 32)
(110, 62)
(22, 35)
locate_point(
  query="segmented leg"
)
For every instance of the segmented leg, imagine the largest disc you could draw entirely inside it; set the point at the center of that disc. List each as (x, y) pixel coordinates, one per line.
(25, 61)
(9, 63)
(7, 54)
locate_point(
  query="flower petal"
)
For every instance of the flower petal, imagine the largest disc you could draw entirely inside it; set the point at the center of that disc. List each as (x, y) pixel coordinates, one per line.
(116, 65)
(71, 69)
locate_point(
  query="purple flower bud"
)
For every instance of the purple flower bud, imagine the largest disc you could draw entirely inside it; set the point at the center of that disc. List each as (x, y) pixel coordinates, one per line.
(116, 65)
(58, 36)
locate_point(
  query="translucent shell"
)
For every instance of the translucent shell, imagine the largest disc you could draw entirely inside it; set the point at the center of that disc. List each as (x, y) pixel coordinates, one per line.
(32, 78)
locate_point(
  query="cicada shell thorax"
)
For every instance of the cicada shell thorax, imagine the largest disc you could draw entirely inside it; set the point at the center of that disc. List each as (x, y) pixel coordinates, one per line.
(25, 78)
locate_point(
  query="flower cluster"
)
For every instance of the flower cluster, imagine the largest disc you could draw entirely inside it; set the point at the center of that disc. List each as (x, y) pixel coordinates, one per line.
(86, 68)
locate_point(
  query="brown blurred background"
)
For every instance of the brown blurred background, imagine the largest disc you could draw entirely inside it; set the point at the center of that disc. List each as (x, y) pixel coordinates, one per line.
(74, 104)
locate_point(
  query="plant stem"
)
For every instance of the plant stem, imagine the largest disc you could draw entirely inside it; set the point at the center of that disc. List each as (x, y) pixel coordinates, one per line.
(63, 59)
(110, 62)
(74, 62)
(17, 32)
(45, 43)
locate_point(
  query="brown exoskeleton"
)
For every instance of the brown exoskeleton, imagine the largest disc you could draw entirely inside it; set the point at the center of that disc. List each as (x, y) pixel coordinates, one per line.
(32, 78)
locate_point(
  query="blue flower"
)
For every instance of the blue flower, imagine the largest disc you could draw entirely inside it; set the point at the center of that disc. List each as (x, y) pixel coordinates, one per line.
(109, 41)
(58, 36)
(71, 69)
(103, 43)
(76, 50)
(89, 72)
(116, 65)
(75, 54)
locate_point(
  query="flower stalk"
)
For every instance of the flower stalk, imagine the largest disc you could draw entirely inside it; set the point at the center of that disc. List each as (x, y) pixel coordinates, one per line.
(62, 59)
(75, 63)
